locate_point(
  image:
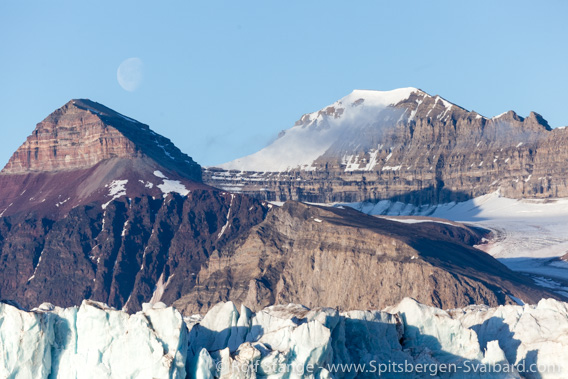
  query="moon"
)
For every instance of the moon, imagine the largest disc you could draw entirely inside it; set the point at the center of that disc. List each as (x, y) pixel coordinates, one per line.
(129, 74)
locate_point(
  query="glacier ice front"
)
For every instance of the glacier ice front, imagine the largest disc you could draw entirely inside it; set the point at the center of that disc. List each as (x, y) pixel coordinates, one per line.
(92, 341)
(285, 341)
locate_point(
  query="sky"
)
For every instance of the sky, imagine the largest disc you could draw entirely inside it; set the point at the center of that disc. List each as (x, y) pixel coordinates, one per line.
(222, 78)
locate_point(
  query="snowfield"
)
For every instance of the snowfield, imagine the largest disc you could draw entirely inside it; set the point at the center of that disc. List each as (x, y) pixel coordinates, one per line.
(285, 341)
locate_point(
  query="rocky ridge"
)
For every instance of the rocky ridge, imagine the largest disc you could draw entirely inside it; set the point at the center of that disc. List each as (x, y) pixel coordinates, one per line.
(418, 149)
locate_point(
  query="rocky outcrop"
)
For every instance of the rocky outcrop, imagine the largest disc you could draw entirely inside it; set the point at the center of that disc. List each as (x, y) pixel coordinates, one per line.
(209, 246)
(421, 150)
(341, 258)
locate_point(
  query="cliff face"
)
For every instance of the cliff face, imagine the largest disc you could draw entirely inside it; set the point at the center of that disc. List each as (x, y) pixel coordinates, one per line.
(83, 133)
(70, 138)
(421, 149)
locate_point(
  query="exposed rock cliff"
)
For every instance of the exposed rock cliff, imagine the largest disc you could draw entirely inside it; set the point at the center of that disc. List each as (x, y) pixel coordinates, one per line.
(83, 133)
(131, 252)
(404, 145)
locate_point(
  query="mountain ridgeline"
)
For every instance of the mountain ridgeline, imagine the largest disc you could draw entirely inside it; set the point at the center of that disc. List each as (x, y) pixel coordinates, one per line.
(95, 205)
(402, 145)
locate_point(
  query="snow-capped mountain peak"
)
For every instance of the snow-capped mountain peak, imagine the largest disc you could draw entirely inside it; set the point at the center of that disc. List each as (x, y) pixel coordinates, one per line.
(315, 133)
(360, 101)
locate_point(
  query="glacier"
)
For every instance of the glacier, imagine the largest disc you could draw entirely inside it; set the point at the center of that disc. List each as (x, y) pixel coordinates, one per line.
(285, 341)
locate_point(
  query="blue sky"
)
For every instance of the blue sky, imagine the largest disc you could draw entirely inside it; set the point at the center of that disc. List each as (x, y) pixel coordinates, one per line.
(222, 78)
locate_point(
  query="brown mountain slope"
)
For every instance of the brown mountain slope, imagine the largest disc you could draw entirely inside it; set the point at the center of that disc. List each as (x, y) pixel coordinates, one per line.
(342, 258)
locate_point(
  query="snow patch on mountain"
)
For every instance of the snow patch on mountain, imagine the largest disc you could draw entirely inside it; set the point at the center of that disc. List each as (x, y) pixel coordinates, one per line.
(316, 132)
(173, 186)
(417, 221)
(499, 115)
(391, 168)
(116, 189)
(159, 174)
(227, 218)
(169, 185)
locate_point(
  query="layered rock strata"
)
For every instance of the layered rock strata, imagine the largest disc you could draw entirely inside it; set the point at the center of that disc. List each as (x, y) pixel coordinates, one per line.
(420, 149)
(83, 152)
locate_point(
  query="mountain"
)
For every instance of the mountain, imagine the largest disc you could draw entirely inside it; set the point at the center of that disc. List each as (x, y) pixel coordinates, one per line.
(402, 144)
(85, 152)
(337, 129)
(97, 206)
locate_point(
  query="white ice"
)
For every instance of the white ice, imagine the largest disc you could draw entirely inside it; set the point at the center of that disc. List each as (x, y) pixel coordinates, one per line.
(169, 185)
(281, 341)
(116, 189)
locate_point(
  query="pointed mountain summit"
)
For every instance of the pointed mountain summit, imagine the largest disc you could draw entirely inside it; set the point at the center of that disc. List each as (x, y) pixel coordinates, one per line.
(95, 205)
(85, 152)
(83, 133)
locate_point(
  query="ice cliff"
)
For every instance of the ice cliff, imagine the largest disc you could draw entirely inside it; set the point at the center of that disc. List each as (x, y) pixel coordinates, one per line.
(95, 341)
(92, 341)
